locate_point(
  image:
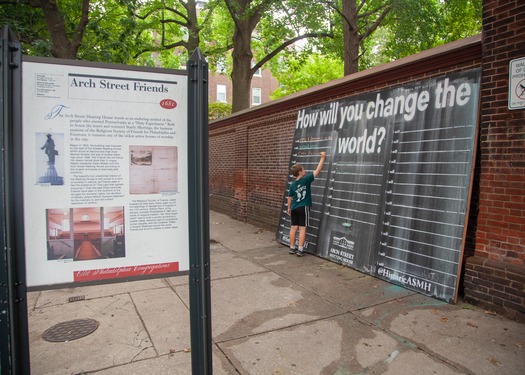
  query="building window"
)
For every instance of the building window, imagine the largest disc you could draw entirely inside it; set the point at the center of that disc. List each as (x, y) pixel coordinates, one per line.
(256, 96)
(221, 66)
(221, 93)
(258, 72)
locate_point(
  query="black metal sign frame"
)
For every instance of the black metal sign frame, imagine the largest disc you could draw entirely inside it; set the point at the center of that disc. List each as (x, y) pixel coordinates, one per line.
(14, 342)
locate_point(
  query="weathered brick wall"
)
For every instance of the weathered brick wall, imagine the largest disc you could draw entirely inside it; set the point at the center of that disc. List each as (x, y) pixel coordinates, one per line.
(248, 163)
(495, 275)
(250, 150)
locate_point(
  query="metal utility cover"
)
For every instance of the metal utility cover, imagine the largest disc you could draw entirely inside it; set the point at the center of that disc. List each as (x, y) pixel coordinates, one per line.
(70, 330)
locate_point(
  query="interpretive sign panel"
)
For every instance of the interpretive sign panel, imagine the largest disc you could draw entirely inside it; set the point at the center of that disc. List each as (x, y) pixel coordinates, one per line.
(392, 198)
(104, 152)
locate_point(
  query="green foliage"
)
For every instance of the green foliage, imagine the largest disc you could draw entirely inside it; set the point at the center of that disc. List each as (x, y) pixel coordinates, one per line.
(111, 35)
(412, 27)
(29, 24)
(157, 32)
(217, 37)
(302, 74)
(217, 110)
(419, 30)
(462, 19)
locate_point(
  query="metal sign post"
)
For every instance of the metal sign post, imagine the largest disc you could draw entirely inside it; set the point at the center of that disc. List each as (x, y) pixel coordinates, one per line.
(14, 336)
(199, 221)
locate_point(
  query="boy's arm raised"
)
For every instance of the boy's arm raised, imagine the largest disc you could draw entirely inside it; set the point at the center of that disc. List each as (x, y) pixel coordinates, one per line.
(320, 165)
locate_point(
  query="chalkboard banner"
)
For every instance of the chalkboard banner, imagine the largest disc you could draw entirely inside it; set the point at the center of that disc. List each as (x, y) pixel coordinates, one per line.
(392, 198)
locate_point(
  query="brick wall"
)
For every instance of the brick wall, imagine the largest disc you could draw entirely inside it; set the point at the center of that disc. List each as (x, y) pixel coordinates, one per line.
(495, 275)
(250, 151)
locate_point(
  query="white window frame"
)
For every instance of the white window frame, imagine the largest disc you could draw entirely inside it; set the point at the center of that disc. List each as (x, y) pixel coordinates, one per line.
(221, 66)
(222, 93)
(255, 96)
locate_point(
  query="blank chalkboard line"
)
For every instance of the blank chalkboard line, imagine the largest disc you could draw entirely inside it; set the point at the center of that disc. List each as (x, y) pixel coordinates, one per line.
(358, 174)
(437, 129)
(355, 211)
(416, 265)
(430, 209)
(357, 165)
(444, 140)
(431, 151)
(430, 185)
(315, 211)
(444, 198)
(355, 201)
(346, 218)
(426, 232)
(432, 174)
(363, 189)
(435, 260)
(428, 221)
(354, 183)
(432, 162)
(428, 243)
(357, 192)
(446, 224)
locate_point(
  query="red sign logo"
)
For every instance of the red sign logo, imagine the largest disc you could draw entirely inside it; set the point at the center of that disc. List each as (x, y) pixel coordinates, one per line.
(168, 103)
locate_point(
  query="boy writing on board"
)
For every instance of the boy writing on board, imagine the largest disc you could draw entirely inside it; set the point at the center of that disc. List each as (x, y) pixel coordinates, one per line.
(299, 202)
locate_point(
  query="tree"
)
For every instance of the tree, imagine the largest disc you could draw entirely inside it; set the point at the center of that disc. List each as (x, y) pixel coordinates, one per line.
(95, 30)
(412, 27)
(283, 17)
(177, 26)
(299, 74)
(217, 110)
(245, 16)
(352, 24)
(64, 36)
(249, 33)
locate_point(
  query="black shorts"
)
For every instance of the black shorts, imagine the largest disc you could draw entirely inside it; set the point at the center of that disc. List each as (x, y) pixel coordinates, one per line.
(300, 216)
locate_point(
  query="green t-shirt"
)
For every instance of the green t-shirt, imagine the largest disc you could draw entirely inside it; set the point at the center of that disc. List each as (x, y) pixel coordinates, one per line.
(300, 191)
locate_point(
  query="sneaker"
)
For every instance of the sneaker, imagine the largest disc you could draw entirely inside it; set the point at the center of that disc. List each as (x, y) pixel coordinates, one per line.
(292, 251)
(300, 253)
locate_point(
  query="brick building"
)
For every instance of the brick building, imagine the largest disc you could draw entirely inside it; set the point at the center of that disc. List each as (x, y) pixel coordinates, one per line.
(250, 152)
(262, 85)
(495, 274)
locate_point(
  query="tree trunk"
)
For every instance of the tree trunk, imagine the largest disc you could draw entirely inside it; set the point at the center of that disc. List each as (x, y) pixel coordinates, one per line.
(62, 47)
(193, 26)
(351, 37)
(241, 70)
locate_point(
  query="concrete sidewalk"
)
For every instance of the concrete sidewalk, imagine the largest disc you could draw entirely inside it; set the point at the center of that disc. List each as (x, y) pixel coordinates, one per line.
(272, 313)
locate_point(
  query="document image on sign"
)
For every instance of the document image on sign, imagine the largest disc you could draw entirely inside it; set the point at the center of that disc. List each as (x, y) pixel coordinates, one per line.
(153, 169)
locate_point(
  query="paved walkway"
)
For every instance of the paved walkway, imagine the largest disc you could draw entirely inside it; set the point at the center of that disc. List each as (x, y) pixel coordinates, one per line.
(272, 314)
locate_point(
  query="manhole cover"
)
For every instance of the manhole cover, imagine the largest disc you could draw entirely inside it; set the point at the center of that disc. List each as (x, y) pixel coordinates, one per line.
(70, 330)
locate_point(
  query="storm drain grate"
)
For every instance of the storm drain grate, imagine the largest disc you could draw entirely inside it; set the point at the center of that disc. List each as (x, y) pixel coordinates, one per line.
(76, 298)
(70, 330)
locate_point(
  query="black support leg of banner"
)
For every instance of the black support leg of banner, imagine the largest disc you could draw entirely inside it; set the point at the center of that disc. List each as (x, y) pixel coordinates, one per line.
(199, 220)
(14, 335)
